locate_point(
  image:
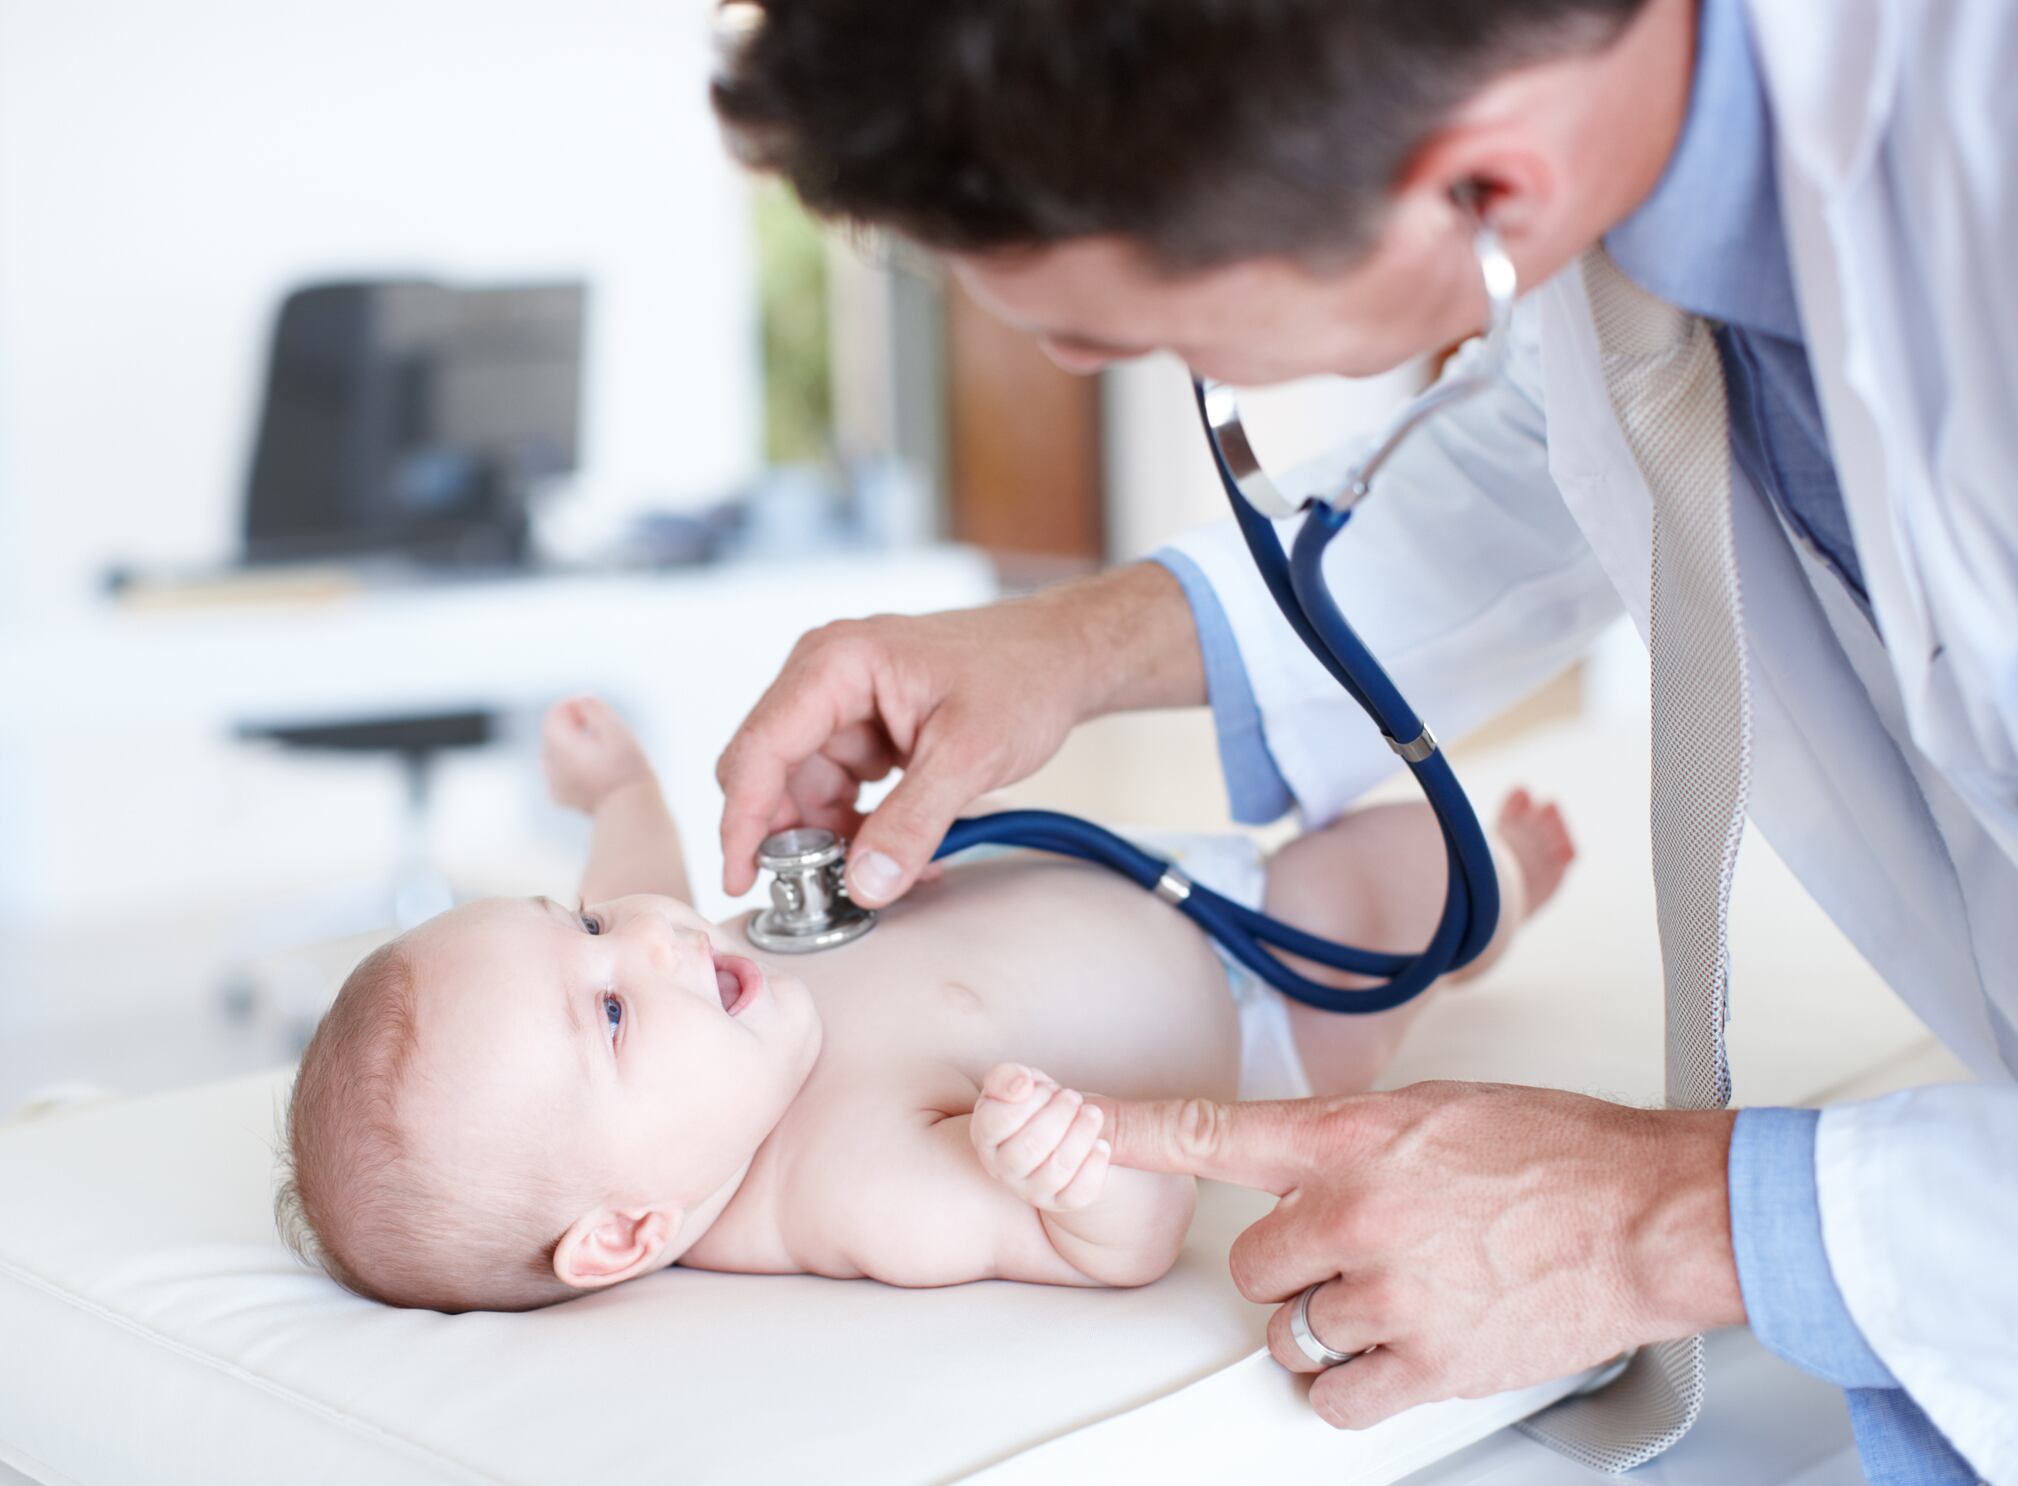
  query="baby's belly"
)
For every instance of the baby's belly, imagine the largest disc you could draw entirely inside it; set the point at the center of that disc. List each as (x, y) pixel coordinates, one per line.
(1067, 968)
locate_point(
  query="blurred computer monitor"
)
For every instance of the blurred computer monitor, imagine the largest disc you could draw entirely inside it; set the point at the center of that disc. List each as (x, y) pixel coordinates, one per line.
(414, 419)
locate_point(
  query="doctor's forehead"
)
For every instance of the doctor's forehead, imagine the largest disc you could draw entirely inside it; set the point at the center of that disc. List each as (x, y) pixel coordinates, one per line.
(1088, 282)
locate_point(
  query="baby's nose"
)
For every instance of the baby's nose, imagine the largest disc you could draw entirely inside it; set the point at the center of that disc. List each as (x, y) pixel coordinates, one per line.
(671, 942)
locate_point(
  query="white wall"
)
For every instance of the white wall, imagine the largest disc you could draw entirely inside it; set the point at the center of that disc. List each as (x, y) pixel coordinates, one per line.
(166, 171)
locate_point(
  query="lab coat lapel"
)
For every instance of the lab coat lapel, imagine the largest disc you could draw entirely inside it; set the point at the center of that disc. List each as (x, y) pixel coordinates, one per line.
(1827, 76)
(1834, 794)
(1830, 791)
(1593, 468)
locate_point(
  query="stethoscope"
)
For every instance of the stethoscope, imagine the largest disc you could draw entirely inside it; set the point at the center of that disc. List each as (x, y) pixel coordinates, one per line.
(810, 909)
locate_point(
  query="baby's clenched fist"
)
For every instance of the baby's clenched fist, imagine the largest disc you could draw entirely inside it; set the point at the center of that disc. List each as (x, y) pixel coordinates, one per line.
(1040, 1141)
(588, 753)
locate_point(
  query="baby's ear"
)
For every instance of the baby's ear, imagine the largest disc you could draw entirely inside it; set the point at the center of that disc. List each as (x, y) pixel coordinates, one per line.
(612, 1244)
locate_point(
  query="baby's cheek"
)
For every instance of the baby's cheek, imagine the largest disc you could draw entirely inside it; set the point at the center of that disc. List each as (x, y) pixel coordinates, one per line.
(695, 1146)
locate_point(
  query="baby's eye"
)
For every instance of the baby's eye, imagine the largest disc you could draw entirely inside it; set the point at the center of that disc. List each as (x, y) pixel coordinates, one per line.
(592, 923)
(613, 1010)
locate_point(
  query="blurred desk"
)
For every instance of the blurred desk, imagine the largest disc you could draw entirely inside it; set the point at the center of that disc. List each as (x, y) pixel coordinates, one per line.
(121, 789)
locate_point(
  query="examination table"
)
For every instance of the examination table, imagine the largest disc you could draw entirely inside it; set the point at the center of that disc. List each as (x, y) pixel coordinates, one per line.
(153, 1329)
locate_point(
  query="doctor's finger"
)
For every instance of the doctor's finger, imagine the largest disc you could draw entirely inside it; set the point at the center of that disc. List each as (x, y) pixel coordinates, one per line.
(1276, 1257)
(839, 816)
(802, 710)
(1259, 1144)
(820, 790)
(863, 750)
(1332, 1322)
(1360, 1393)
(899, 836)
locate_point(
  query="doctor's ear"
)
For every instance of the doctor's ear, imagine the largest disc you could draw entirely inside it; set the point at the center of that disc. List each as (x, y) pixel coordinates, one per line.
(609, 1245)
(1513, 191)
(1509, 174)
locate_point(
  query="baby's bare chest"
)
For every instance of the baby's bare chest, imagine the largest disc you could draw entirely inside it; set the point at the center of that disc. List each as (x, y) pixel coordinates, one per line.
(1060, 966)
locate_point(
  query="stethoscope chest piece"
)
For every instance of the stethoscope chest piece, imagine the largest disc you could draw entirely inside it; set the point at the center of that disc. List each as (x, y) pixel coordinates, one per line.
(810, 908)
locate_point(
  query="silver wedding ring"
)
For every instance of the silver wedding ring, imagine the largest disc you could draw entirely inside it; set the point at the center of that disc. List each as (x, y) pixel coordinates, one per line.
(1306, 1339)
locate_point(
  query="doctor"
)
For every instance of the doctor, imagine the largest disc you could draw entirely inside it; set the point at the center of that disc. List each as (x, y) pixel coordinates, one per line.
(1830, 191)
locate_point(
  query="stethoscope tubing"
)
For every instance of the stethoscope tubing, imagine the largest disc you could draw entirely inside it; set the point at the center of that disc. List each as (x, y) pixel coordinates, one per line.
(1296, 582)
(1241, 929)
(1471, 904)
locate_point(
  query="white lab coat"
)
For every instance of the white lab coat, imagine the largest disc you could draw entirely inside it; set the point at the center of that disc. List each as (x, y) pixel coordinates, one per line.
(1511, 530)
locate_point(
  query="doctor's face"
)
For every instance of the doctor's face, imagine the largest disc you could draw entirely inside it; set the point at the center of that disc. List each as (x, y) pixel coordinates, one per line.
(1098, 300)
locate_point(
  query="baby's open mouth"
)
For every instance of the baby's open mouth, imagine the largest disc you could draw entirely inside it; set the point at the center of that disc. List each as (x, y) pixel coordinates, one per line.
(738, 980)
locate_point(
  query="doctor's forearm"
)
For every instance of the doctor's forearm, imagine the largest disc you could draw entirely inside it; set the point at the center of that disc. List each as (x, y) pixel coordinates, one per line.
(1128, 637)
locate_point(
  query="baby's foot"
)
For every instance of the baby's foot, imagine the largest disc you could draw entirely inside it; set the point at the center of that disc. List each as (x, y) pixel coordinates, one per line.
(588, 753)
(1538, 841)
(1038, 1140)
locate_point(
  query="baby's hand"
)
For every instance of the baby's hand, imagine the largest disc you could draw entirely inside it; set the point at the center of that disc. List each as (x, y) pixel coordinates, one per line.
(587, 753)
(1038, 1140)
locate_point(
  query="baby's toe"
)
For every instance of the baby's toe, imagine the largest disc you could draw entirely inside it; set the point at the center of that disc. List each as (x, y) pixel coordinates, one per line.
(1555, 830)
(1539, 841)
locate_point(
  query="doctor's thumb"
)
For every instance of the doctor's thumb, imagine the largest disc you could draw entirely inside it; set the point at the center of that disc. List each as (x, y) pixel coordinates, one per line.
(898, 838)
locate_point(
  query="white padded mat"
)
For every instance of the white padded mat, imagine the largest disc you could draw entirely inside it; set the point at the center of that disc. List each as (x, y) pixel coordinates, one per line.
(156, 1330)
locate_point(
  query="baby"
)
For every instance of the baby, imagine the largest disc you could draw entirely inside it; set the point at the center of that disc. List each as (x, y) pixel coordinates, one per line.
(521, 1100)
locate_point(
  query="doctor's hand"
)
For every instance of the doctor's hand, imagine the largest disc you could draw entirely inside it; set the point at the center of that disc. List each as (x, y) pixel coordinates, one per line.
(962, 703)
(1480, 1236)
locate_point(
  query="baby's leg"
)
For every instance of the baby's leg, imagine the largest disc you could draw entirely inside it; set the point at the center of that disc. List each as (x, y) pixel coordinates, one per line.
(593, 763)
(1376, 878)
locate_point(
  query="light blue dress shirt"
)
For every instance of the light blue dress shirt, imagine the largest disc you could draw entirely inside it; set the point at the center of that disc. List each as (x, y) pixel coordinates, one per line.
(1255, 788)
(1710, 240)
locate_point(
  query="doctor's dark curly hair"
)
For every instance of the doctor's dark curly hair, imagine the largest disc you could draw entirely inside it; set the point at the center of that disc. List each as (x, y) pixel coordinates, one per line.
(1207, 130)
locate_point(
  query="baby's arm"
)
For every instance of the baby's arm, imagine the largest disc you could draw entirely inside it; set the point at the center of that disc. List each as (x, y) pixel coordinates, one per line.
(594, 764)
(1019, 1189)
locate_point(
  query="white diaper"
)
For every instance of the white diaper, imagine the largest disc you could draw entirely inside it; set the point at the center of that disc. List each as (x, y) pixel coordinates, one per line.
(1232, 866)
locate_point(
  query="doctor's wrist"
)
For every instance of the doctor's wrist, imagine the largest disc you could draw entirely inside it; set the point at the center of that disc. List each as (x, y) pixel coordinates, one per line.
(1679, 1262)
(1126, 641)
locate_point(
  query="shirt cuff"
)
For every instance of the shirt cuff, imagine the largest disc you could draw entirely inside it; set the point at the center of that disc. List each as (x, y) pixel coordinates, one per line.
(1255, 788)
(1791, 1298)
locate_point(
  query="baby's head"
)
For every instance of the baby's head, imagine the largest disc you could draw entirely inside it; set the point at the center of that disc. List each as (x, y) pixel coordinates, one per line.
(516, 1101)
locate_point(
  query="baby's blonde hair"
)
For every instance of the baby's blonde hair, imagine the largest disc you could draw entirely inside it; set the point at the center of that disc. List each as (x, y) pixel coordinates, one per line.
(356, 1200)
